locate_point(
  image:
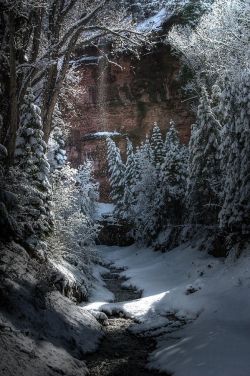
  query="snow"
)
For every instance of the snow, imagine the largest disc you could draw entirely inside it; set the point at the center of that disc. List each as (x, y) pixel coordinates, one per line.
(102, 134)
(99, 292)
(103, 210)
(107, 134)
(43, 333)
(155, 22)
(200, 300)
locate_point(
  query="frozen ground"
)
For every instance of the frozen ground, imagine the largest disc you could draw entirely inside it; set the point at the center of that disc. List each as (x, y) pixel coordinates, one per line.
(196, 306)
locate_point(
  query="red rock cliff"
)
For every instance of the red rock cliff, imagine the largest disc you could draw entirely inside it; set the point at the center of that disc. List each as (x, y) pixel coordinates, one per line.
(128, 97)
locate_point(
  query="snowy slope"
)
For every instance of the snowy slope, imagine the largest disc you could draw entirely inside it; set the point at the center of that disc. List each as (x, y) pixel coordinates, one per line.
(42, 332)
(202, 301)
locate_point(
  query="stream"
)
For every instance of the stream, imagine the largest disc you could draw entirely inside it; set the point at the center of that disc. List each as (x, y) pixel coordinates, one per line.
(121, 352)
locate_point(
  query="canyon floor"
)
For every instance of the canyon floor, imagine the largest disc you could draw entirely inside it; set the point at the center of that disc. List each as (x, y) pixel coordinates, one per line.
(175, 312)
(121, 352)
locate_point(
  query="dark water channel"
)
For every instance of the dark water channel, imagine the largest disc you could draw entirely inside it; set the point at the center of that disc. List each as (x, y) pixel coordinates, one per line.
(121, 352)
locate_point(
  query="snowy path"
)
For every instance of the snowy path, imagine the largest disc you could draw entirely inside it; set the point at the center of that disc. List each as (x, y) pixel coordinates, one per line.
(121, 352)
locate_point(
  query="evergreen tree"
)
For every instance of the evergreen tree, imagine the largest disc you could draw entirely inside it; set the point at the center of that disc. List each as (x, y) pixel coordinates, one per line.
(157, 146)
(144, 211)
(172, 179)
(234, 215)
(56, 149)
(203, 169)
(30, 151)
(88, 189)
(130, 178)
(116, 172)
(30, 157)
(146, 150)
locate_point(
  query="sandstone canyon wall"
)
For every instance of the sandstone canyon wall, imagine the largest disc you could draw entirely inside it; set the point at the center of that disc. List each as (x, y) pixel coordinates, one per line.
(127, 97)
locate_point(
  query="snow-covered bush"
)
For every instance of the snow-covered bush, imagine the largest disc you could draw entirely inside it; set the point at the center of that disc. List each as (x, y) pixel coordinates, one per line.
(74, 231)
(219, 43)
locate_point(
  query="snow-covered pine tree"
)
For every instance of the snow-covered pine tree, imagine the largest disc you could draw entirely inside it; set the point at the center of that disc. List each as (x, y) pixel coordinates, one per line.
(216, 102)
(56, 153)
(130, 178)
(171, 136)
(157, 146)
(56, 149)
(203, 186)
(144, 210)
(146, 150)
(235, 155)
(30, 158)
(88, 189)
(116, 170)
(172, 179)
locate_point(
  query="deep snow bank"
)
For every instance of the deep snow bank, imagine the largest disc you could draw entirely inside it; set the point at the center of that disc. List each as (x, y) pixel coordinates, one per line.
(42, 332)
(202, 301)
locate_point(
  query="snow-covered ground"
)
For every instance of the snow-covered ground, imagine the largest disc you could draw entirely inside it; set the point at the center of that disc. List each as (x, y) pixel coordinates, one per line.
(42, 332)
(202, 301)
(102, 210)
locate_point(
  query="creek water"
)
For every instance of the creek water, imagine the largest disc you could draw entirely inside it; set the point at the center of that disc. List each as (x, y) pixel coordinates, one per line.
(121, 353)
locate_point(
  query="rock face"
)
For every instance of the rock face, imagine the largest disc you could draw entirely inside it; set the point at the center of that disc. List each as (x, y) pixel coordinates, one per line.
(127, 97)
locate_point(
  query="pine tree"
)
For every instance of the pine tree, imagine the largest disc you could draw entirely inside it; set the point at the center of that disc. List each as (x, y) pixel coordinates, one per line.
(30, 151)
(88, 189)
(130, 178)
(203, 169)
(146, 150)
(116, 172)
(172, 179)
(234, 215)
(144, 210)
(56, 149)
(30, 158)
(157, 146)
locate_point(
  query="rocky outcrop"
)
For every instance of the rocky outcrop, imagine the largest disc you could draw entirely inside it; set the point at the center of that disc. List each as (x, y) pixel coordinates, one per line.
(127, 97)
